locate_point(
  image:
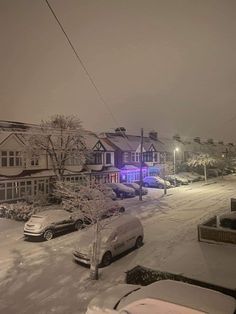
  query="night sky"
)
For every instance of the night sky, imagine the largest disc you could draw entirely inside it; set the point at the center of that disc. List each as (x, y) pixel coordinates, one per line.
(168, 65)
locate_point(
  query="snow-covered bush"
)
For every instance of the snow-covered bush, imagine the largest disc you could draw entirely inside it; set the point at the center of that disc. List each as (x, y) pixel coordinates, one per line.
(21, 211)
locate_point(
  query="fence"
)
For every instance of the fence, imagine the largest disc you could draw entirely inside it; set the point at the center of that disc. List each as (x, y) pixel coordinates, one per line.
(209, 232)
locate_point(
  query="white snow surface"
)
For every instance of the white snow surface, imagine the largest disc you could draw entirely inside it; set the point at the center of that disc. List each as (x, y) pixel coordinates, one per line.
(170, 244)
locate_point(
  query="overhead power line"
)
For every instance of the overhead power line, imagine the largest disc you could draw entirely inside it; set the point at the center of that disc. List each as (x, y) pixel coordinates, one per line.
(83, 66)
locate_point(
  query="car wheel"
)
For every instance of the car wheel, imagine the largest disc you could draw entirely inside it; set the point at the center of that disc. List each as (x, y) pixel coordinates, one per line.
(48, 235)
(106, 259)
(121, 210)
(78, 225)
(146, 185)
(139, 242)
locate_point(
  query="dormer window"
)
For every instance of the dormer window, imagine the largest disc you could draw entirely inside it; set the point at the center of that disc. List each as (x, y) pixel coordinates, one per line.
(34, 160)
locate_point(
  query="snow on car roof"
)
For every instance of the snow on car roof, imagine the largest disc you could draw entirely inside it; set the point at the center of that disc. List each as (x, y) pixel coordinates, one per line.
(156, 306)
(195, 297)
(51, 212)
(109, 226)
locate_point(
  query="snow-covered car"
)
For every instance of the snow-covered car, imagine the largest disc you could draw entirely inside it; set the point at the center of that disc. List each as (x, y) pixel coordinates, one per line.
(50, 222)
(174, 179)
(191, 176)
(164, 296)
(228, 220)
(156, 182)
(110, 193)
(213, 172)
(121, 190)
(119, 234)
(136, 188)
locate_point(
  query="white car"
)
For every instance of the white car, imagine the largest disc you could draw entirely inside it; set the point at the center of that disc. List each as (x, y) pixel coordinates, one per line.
(119, 234)
(165, 297)
(156, 182)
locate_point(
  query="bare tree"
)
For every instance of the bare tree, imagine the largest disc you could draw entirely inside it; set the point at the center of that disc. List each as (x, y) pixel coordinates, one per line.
(203, 160)
(95, 205)
(62, 139)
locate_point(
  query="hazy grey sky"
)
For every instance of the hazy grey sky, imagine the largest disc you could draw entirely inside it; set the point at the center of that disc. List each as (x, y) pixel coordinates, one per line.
(168, 65)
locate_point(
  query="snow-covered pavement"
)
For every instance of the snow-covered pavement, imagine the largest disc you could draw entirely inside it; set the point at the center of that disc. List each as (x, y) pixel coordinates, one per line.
(40, 277)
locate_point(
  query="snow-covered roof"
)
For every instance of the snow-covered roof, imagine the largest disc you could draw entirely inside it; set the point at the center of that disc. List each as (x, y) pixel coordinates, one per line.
(91, 139)
(132, 142)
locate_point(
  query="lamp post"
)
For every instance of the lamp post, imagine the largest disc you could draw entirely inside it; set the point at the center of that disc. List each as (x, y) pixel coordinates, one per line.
(175, 150)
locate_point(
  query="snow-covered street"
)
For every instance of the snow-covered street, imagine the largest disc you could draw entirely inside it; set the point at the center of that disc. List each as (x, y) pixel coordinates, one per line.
(41, 277)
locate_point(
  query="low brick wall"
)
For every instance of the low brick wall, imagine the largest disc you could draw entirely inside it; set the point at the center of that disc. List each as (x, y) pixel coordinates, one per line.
(208, 232)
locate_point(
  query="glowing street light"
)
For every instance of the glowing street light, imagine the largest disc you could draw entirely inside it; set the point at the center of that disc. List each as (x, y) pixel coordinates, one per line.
(175, 150)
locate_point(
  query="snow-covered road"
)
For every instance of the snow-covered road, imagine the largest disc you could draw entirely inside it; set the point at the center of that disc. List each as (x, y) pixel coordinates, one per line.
(40, 277)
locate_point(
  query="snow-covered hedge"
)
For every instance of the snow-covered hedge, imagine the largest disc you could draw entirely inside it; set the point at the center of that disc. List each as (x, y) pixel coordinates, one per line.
(21, 211)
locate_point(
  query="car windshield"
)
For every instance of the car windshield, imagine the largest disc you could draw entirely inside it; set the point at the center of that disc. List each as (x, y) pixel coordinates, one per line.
(36, 218)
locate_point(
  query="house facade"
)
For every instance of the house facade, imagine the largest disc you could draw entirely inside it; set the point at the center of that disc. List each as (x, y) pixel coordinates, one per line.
(25, 175)
(128, 154)
(113, 157)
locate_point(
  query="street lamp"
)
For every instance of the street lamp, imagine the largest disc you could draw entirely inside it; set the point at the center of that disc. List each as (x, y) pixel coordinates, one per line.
(175, 150)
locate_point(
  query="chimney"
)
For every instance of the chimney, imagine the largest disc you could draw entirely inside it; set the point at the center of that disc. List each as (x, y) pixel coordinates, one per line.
(177, 137)
(120, 131)
(153, 135)
(210, 141)
(197, 139)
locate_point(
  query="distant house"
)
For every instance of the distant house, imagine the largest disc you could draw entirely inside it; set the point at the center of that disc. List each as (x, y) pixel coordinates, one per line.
(128, 153)
(24, 175)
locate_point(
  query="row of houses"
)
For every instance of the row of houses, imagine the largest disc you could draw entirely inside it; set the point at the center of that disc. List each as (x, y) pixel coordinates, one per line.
(115, 157)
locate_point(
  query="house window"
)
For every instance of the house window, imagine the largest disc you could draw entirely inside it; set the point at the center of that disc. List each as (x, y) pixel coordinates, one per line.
(133, 157)
(10, 159)
(125, 157)
(137, 157)
(148, 156)
(73, 161)
(98, 158)
(108, 158)
(155, 157)
(34, 160)
(14, 190)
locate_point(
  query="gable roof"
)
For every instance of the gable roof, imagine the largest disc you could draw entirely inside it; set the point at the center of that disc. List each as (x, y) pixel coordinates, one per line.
(91, 140)
(132, 142)
(4, 136)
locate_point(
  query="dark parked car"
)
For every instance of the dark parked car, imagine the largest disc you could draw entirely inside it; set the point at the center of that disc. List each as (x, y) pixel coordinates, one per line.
(174, 179)
(50, 222)
(136, 188)
(228, 220)
(121, 190)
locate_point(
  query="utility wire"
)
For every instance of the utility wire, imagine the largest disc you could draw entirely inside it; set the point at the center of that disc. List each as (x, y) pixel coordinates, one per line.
(82, 64)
